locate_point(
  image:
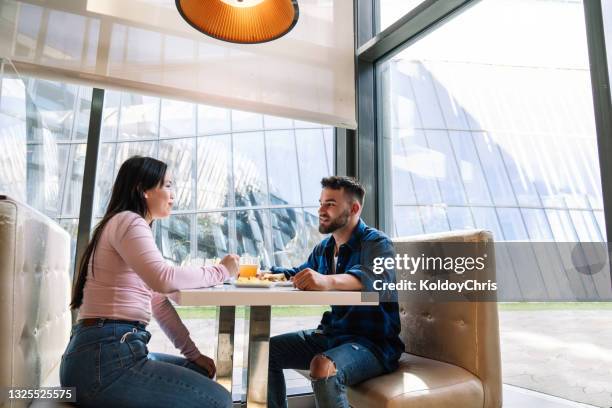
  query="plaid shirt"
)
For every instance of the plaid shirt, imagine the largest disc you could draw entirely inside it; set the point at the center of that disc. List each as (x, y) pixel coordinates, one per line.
(374, 327)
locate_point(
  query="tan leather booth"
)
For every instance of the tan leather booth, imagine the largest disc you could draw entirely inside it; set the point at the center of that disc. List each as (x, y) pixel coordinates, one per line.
(34, 296)
(452, 356)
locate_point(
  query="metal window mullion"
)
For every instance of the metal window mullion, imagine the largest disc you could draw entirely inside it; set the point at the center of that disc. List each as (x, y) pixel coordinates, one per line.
(602, 102)
(89, 175)
(345, 151)
(266, 172)
(194, 187)
(117, 132)
(159, 113)
(366, 146)
(231, 215)
(385, 167)
(267, 232)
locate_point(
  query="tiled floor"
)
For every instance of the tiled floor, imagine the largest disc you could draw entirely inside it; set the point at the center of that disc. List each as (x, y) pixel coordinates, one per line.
(561, 353)
(515, 397)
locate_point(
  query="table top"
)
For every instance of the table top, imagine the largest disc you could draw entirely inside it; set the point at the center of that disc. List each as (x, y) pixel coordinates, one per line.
(229, 295)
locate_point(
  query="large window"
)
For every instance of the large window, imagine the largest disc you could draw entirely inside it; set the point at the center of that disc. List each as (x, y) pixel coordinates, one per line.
(489, 123)
(245, 183)
(43, 129)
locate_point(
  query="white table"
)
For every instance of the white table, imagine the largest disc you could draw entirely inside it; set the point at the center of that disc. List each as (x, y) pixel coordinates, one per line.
(259, 302)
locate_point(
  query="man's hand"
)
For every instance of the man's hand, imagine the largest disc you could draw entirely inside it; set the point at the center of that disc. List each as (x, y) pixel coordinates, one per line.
(207, 364)
(308, 279)
(231, 262)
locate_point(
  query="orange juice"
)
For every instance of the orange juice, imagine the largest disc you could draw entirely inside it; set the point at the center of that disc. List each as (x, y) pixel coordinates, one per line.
(248, 270)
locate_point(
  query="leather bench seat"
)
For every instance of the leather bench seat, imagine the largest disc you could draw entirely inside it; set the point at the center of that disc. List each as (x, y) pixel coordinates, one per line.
(419, 382)
(34, 296)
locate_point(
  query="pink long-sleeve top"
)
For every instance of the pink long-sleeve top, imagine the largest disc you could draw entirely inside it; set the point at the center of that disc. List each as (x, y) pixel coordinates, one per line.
(131, 277)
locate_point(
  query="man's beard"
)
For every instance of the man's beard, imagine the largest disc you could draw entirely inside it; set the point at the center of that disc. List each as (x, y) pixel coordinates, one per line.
(335, 224)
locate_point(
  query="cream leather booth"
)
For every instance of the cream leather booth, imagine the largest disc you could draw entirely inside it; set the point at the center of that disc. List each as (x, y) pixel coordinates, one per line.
(34, 295)
(452, 349)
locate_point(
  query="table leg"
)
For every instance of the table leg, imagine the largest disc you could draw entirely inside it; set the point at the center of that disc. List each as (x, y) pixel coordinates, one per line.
(258, 356)
(226, 320)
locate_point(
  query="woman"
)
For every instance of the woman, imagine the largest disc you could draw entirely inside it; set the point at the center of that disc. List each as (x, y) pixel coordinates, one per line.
(121, 281)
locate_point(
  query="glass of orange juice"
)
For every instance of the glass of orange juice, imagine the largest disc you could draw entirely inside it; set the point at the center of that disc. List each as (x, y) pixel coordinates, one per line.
(249, 266)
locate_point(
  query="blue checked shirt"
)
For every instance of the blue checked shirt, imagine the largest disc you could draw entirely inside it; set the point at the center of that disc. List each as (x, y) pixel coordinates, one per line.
(374, 327)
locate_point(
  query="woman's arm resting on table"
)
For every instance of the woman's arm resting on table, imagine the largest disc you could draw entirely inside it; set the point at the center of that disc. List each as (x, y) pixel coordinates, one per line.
(135, 244)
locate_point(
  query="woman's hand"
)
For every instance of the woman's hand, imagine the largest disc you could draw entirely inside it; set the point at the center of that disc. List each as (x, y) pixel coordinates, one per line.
(231, 262)
(207, 364)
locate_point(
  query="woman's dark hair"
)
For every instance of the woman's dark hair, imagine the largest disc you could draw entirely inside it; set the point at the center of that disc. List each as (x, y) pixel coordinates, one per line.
(136, 175)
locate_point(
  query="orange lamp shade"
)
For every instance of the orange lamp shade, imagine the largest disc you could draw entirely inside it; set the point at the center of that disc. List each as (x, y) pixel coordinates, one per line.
(241, 21)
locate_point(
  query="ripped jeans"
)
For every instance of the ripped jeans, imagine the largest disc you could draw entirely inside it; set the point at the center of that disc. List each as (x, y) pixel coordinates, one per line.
(354, 364)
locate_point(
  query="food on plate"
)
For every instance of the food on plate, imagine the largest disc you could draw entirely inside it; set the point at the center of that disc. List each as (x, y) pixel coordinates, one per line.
(253, 282)
(274, 277)
(266, 277)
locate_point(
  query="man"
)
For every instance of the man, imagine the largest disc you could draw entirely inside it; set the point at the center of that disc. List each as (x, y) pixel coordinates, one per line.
(352, 343)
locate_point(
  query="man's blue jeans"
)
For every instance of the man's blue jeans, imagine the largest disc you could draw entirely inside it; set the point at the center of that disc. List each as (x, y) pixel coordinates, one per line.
(354, 364)
(110, 366)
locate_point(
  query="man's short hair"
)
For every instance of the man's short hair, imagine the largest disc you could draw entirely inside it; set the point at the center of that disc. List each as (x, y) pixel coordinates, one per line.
(351, 186)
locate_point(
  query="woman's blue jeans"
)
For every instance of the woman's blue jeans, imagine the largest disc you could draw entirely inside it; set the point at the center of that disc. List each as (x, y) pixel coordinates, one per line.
(354, 364)
(110, 366)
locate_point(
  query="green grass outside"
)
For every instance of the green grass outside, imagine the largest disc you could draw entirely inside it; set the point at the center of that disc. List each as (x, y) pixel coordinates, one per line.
(209, 312)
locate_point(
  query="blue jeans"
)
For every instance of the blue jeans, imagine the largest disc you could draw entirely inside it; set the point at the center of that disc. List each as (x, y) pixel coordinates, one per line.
(354, 364)
(110, 366)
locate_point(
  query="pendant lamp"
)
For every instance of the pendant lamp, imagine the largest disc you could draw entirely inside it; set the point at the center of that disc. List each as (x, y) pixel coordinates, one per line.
(240, 21)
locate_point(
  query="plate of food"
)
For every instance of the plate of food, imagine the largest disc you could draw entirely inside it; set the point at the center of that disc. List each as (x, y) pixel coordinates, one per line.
(264, 280)
(252, 282)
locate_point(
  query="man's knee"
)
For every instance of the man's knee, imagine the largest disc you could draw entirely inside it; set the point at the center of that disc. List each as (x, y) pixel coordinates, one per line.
(322, 367)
